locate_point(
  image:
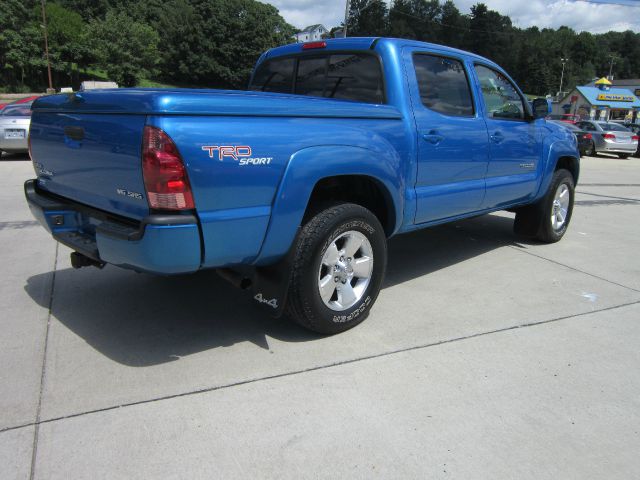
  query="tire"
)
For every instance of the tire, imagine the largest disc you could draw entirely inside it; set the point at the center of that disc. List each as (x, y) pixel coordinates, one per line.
(322, 255)
(623, 156)
(590, 150)
(538, 220)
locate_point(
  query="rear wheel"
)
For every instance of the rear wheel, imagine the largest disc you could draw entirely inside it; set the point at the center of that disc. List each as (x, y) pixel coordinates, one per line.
(339, 264)
(623, 156)
(548, 219)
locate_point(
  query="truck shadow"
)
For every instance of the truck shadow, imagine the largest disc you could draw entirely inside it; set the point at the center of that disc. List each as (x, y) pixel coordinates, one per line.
(142, 320)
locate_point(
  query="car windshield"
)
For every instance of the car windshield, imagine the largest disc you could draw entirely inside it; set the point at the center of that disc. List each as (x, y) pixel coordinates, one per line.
(612, 126)
(23, 110)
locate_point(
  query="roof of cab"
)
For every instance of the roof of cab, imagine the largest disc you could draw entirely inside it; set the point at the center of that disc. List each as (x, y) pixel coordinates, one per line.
(366, 43)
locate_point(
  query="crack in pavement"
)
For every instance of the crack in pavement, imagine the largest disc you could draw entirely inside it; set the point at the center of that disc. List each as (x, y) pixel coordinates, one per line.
(608, 196)
(36, 430)
(319, 367)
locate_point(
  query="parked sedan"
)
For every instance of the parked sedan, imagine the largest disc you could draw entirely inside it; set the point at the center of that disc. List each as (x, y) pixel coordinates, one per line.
(585, 139)
(610, 137)
(565, 117)
(14, 127)
(22, 100)
(635, 128)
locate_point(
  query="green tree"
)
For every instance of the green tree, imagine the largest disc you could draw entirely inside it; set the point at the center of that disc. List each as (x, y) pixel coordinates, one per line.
(68, 42)
(21, 46)
(367, 18)
(453, 25)
(215, 43)
(125, 49)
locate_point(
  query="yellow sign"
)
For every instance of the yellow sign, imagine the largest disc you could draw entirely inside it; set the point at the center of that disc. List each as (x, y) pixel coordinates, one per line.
(616, 97)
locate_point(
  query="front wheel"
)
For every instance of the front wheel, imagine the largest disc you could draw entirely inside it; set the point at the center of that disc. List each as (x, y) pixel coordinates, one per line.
(338, 268)
(623, 156)
(549, 218)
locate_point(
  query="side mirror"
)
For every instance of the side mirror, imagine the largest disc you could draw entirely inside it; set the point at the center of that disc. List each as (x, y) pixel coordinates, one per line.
(541, 107)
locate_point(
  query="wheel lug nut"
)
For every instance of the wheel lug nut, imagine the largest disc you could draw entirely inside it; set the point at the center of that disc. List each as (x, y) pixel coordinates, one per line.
(336, 279)
(349, 259)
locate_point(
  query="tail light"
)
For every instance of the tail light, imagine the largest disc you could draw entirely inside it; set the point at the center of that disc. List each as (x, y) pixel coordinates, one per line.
(609, 136)
(587, 136)
(165, 177)
(635, 138)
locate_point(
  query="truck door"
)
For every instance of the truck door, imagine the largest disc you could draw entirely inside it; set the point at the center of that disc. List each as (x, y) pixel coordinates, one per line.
(515, 145)
(453, 147)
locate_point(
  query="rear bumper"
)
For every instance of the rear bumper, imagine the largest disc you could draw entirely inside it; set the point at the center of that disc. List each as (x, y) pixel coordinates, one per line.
(14, 145)
(618, 148)
(164, 244)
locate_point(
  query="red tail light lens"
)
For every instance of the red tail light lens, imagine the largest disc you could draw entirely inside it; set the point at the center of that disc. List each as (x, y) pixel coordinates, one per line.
(609, 136)
(312, 45)
(165, 177)
(587, 136)
(635, 138)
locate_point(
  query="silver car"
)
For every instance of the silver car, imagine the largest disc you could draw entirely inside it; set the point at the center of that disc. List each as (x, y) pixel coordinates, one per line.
(14, 127)
(608, 137)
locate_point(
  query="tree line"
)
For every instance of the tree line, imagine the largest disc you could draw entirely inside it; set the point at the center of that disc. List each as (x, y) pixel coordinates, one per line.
(199, 43)
(533, 56)
(214, 43)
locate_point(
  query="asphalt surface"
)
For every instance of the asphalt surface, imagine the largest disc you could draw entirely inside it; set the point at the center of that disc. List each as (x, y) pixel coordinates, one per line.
(486, 356)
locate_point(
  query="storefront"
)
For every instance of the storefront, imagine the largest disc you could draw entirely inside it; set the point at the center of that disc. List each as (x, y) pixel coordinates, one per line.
(602, 102)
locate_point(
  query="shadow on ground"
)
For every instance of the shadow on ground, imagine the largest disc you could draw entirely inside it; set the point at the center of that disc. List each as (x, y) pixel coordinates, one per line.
(141, 320)
(14, 157)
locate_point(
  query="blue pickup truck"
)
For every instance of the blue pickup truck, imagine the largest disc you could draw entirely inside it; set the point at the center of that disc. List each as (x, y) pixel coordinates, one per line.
(292, 188)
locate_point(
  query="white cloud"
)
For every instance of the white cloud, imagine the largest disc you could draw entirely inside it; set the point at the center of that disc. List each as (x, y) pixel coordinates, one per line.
(579, 15)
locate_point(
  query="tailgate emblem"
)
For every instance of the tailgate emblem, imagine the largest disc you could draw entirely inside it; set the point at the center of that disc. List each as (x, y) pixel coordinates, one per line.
(129, 194)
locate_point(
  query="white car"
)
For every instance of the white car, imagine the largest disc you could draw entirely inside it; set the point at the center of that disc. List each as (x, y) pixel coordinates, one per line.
(14, 128)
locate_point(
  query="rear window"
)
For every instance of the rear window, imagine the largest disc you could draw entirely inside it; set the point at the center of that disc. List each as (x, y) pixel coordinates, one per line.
(16, 111)
(275, 76)
(613, 127)
(347, 76)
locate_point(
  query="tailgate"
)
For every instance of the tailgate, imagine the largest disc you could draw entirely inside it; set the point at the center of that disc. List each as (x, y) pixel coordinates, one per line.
(94, 159)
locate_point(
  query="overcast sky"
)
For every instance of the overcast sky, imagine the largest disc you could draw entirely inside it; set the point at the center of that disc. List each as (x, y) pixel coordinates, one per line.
(594, 15)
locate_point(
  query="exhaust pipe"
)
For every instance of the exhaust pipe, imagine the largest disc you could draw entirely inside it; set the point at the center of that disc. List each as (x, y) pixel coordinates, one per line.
(236, 279)
(79, 260)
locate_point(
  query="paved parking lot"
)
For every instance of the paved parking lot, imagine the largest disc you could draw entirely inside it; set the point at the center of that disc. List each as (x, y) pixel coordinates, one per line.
(486, 356)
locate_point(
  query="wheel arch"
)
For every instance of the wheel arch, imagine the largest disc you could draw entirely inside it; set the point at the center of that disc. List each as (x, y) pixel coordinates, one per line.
(570, 163)
(319, 174)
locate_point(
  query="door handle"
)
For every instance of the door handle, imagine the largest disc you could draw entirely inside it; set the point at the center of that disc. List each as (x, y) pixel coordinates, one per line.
(433, 137)
(497, 137)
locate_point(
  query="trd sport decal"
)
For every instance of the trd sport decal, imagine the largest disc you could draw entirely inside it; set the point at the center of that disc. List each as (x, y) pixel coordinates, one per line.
(240, 153)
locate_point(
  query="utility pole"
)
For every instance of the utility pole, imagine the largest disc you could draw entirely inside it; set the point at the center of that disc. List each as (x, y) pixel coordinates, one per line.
(610, 77)
(346, 17)
(563, 60)
(46, 48)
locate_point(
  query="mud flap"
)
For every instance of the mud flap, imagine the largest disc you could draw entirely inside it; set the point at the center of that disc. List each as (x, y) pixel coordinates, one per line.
(270, 284)
(528, 221)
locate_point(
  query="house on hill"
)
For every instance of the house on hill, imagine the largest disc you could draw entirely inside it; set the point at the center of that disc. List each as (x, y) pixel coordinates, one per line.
(312, 33)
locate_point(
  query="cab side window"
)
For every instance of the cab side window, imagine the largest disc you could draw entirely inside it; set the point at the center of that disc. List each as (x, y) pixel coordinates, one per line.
(501, 99)
(443, 85)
